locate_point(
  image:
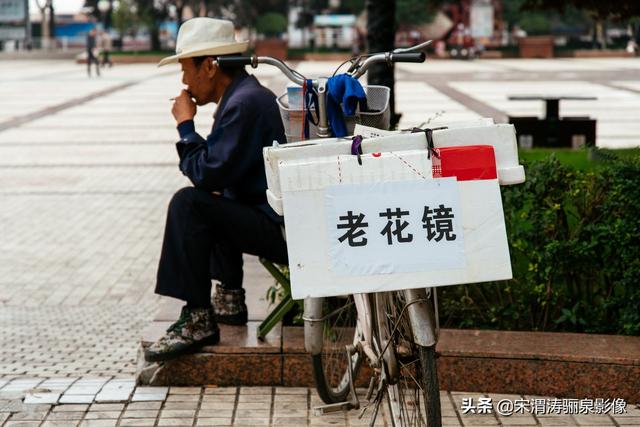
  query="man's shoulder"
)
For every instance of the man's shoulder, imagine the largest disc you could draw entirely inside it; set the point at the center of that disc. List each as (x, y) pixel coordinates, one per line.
(250, 95)
(251, 89)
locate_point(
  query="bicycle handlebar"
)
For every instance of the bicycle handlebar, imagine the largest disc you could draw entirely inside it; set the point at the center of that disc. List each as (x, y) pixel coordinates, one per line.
(408, 57)
(297, 78)
(235, 60)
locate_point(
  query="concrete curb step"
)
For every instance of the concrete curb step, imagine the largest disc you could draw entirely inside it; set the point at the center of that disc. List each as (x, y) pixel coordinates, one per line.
(532, 363)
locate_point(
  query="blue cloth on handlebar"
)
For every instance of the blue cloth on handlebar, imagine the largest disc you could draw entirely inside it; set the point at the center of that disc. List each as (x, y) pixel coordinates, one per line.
(346, 90)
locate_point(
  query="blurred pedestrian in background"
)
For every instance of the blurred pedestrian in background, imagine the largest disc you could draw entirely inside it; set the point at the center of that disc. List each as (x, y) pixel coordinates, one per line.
(92, 52)
(105, 46)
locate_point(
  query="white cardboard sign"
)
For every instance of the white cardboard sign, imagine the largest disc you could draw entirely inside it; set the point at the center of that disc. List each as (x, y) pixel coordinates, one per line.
(310, 240)
(394, 227)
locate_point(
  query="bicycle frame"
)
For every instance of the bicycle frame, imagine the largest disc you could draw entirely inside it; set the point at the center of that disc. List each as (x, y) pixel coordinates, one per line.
(421, 316)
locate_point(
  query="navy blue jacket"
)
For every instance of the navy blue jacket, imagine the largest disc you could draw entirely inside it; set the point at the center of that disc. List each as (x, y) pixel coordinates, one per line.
(230, 159)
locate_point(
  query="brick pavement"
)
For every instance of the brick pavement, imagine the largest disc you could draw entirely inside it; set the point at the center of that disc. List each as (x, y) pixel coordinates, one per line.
(254, 406)
(84, 189)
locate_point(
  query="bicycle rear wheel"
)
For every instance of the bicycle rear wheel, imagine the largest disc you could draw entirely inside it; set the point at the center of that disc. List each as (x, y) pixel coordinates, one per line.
(331, 366)
(413, 395)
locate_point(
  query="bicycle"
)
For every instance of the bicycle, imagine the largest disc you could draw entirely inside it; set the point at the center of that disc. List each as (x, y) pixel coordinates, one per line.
(396, 332)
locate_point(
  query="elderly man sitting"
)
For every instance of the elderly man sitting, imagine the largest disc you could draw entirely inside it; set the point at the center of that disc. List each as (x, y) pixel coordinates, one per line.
(225, 214)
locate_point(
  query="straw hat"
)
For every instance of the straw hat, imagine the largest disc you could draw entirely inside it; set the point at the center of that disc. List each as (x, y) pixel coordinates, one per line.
(204, 37)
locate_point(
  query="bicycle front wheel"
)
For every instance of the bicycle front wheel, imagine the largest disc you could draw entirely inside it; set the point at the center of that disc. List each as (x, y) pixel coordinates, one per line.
(331, 366)
(413, 395)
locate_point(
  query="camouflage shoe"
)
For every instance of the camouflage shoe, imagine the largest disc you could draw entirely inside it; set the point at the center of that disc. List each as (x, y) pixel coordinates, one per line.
(195, 327)
(229, 306)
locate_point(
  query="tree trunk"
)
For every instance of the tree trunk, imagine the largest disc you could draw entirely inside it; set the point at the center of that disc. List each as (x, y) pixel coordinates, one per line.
(179, 12)
(52, 24)
(155, 36)
(600, 37)
(108, 16)
(381, 31)
(44, 27)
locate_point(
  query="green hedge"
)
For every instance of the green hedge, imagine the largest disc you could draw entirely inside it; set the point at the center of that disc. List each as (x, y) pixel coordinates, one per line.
(574, 237)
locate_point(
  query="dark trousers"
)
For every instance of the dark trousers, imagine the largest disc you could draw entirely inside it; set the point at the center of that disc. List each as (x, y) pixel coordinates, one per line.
(91, 59)
(205, 237)
(105, 58)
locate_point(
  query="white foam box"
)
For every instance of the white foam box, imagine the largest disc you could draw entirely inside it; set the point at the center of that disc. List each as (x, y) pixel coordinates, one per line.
(502, 137)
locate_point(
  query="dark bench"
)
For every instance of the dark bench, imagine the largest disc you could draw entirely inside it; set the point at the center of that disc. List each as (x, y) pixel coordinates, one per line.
(553, 130)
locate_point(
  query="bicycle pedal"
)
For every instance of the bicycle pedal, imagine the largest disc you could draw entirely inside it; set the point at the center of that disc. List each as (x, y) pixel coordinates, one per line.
(332, 407)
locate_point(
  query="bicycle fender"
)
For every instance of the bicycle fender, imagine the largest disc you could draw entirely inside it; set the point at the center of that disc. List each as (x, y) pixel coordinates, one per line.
(313, 326)
(421, 317)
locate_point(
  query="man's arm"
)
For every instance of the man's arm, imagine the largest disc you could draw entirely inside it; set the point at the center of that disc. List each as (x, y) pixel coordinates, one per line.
(225, 156)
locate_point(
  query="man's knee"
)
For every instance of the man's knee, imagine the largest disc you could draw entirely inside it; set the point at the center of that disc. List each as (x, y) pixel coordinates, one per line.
(182, 199)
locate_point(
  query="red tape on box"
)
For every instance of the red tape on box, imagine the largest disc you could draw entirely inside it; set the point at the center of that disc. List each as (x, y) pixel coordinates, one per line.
(466, 163)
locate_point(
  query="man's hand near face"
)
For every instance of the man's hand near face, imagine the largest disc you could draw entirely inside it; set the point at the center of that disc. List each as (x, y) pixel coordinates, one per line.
(183, 107)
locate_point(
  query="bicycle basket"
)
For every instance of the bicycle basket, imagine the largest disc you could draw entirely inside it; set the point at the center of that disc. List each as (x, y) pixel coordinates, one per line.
(378, 117)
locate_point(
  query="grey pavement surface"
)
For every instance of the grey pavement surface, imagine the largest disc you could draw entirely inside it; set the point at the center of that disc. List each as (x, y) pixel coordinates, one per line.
(87, 167)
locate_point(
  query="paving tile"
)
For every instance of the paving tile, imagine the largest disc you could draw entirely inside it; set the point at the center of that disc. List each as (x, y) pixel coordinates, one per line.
(76, 398)
(183, 398)
(325, 421)
(180, 405)
(217, 405)
(107, 407)
(213, 422)
(451, 422)
(60, 423)
(256, 390)
(253, 413)
(177, 413)
(288, 398)
(65, 416)
(217, 413)
(628, 421)
(10, 395)
(286, 406)
(150, 413)
(98, 423)
(290, 413)
(82, 390)
(293, 390)
(224, 398)
(631, 411)
(253, 405)
(29, 416)
(22, 424)
(289, 421)
(518, 420)
(184, 390)
(144, 405)
(473, 421)
(176, 422)
(556, 421)
(152, 390)
(256, 398)
(594, 420)
(70, 408)
(40, 398)
(220, 390)
(251, 421)
(137, 422)
(102, 415)
(148, 397)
